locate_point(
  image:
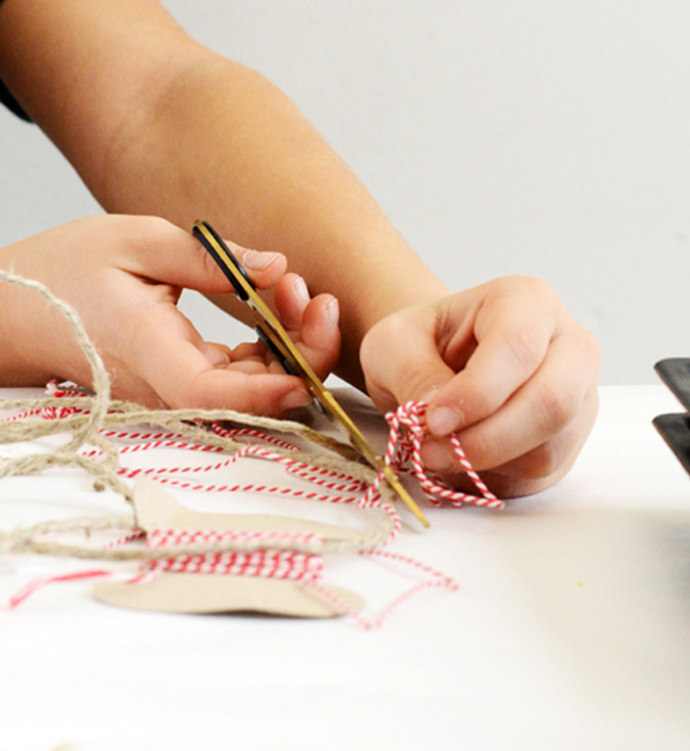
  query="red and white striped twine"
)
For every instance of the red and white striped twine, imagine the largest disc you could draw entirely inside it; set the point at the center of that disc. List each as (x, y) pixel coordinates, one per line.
(407, 430)
(406, 445)
(265, 562)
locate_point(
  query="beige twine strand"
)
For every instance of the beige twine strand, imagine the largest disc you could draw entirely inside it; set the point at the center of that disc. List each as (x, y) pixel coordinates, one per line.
(100, 413)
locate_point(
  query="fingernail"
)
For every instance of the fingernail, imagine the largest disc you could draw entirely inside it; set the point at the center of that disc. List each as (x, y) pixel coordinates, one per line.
(300, 288)
(218, 358)
(443, 420)
(297, 398)
(256, 260)
(333, 311)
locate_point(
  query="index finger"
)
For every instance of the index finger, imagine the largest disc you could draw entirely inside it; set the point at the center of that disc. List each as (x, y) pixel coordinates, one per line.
(513, 333)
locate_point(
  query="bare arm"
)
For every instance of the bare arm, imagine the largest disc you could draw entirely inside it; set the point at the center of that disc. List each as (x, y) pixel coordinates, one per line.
(156, 124)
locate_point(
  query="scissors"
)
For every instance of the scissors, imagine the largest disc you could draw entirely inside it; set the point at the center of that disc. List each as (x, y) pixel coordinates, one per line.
(276, 338)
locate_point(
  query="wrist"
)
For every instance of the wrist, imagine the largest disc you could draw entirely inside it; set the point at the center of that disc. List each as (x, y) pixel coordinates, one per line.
(385, 281)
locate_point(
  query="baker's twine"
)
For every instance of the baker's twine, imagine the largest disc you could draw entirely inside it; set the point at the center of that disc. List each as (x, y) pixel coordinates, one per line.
(99, 442)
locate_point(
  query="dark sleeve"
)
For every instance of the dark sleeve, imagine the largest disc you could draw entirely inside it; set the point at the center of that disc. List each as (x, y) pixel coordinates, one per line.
(9, 101)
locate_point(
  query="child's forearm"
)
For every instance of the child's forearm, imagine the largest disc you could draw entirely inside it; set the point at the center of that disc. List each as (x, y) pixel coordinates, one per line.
(206, 137)
(248, 161)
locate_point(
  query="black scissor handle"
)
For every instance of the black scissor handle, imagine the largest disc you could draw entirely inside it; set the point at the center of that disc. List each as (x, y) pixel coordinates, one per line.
(218, 249)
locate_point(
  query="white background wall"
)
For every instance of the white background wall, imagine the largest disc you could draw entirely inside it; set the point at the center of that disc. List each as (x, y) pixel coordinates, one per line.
(501, 136)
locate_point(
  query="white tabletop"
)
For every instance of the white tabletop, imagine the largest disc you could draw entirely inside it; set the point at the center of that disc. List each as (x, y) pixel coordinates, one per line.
(569, 630)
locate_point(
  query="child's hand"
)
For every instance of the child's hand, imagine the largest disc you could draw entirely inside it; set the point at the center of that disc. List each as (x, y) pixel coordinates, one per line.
(505, 367)
(124, 275)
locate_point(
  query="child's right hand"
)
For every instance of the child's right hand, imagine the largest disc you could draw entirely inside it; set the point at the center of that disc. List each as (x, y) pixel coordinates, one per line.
(124, 275)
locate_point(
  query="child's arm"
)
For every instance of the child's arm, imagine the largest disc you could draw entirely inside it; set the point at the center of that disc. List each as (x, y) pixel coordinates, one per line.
(156, 124)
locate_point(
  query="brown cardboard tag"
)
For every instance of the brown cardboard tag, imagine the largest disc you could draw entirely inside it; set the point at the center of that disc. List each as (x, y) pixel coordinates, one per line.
(155, 508)
(171, 592)
(221, 593)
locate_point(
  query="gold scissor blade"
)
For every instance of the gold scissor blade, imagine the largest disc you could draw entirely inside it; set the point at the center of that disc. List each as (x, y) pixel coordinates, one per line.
(333, 409)
(286, 349)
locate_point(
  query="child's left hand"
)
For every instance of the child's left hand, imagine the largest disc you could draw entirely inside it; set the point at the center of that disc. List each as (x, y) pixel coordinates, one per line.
(505, 367)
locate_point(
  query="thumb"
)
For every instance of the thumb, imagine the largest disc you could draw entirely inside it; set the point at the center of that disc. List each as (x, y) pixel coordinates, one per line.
(402, 363)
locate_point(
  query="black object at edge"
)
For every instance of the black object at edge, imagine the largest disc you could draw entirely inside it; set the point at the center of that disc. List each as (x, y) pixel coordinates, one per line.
(7, 98)
(675, 373)
(675, 428)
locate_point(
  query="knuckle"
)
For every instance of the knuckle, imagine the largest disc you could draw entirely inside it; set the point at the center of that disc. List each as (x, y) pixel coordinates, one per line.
(530, 286)
(524, 347)
(541, 463)
(417, 378)
(151, 232)
(539, 288)
(557, 407)
(592, 349)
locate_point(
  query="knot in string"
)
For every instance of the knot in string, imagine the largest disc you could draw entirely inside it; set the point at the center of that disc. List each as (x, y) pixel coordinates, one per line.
(407, 431)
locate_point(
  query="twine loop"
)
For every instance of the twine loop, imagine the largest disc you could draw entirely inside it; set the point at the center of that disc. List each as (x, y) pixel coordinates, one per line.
(407, 431)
